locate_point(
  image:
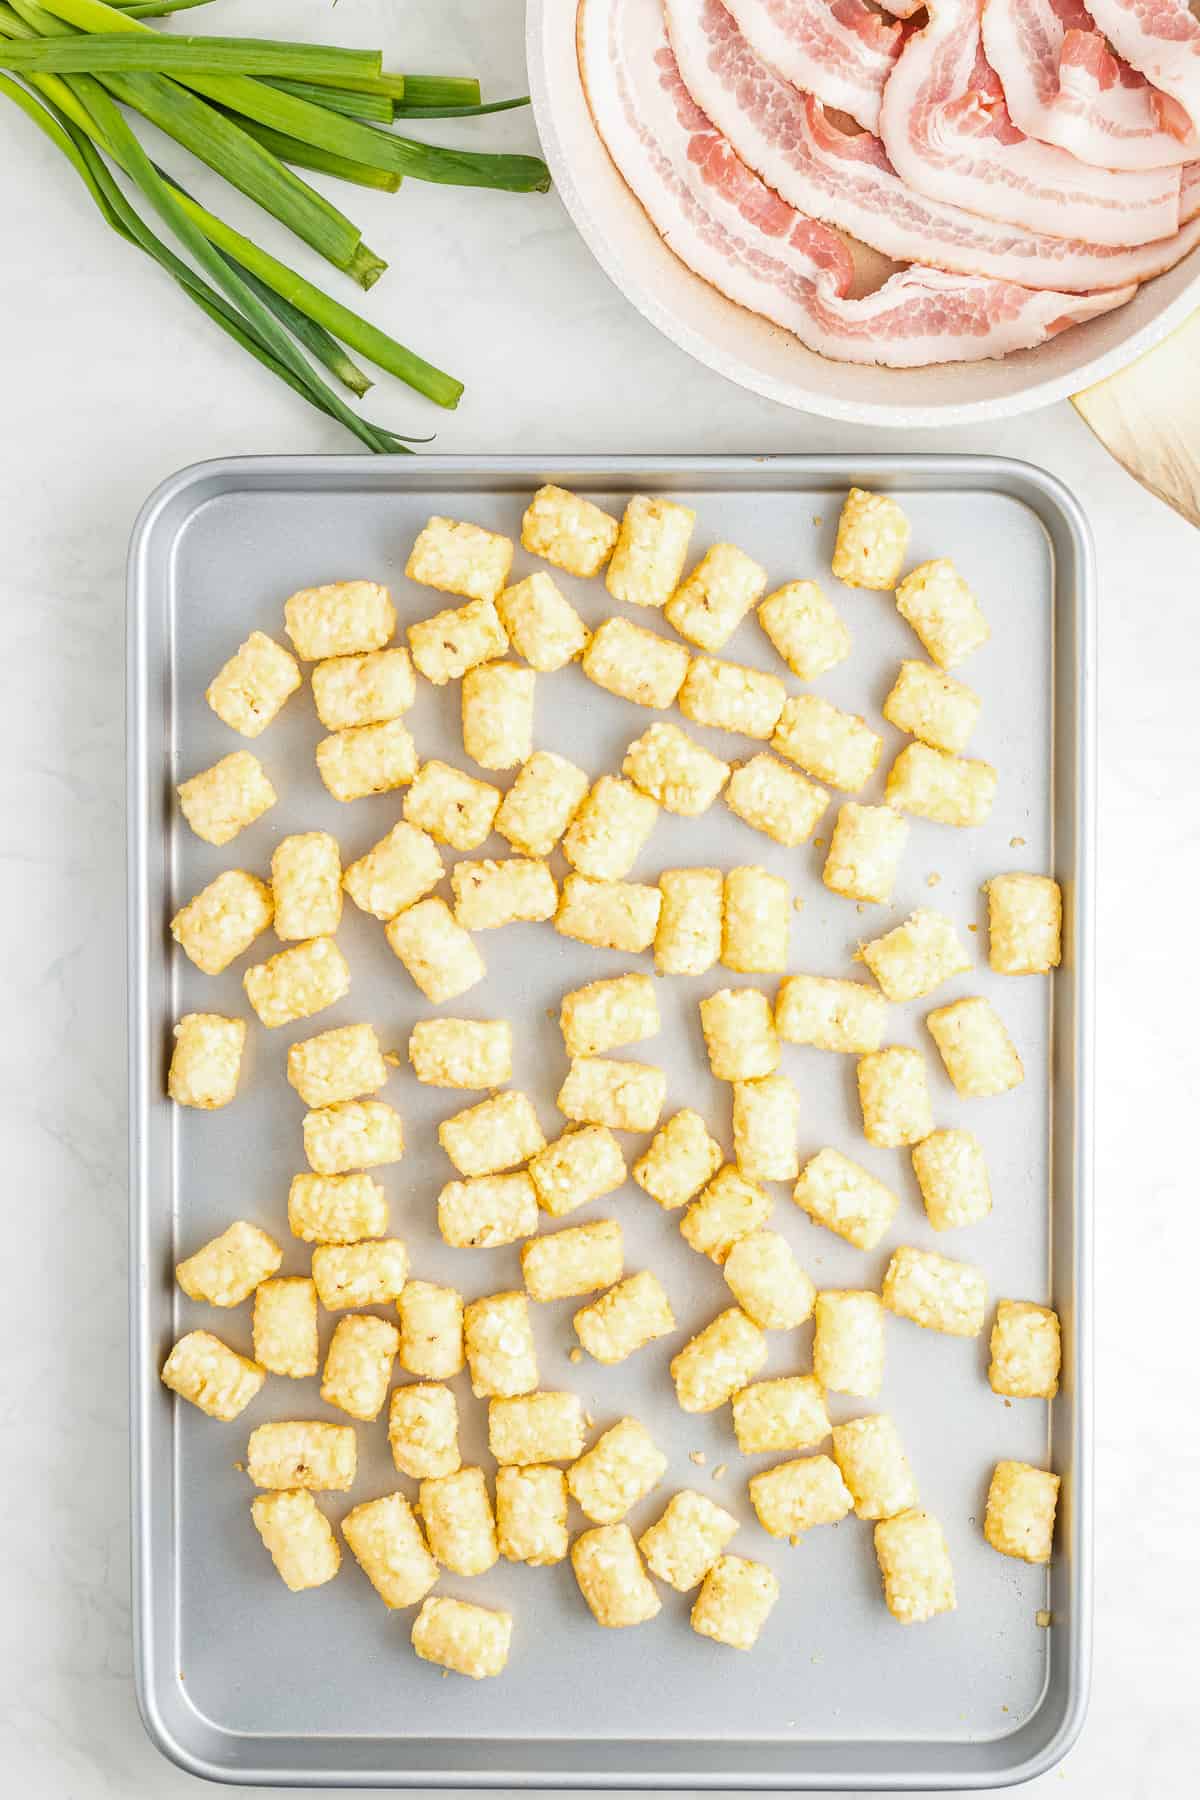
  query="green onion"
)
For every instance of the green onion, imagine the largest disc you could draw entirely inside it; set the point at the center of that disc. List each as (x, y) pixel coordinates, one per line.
(142, 171)
(314, 125)
(377, 108)
(376, 345)
(365, 143)
(96, 54)
(249, 166)
(307, 156)
(234, 153)
(120, 216)
(441, 90)
(404, 111)
(316, 340)
(253, 110)
(391, 86)
(326, 61)
(155, 9)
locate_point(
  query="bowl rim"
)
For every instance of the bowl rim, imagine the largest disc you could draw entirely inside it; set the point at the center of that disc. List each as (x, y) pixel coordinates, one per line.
(795, 394)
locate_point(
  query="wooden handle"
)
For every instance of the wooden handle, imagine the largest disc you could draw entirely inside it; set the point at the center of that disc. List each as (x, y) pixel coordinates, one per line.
(1148, 416)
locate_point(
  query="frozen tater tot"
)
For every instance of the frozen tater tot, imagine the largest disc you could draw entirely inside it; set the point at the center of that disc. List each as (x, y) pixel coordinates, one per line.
(299, 1538)
(627, 1317)
(442, 959)
(739, 1034)
(625, 1096)
(609, 829)
(541, 623)
(864, 852)
(766, 1119)
(611, 1578)
(688, 938)
(459, 1522)
(835, 747)
(612, 915)
(248, 692)
(848, 1342)
(541, 803)
(202, 1369)
(918, 1581)
(620, 1469)
(459, 558)
(917, 956)
(729, 1209)
(461, 1053)
(871, 1458)
(498, 1340)
(951, 790)
(768, 1283)
(681, 1159)
(386, 1542)
(572, 533)
(718, 1361)
(872, 538)
(805, 629)
(498, 1134)
(942, 610)
(712, 601)
(1024, 924)
(423, 1429)
(396, 872)
(682, 1546)
(469, 1640)
(369, 1274)
(1026, 1351)
(936, 1292)
(607, 1015)
(1021, 1505)
(497, 714)
(354, 1134)
(734, 1601)
(756, 919)
(651, 547)
(676, 772)
(306, 880)
(894, 1096)
(531, 1514)
(980, 1057)
(227, 1269)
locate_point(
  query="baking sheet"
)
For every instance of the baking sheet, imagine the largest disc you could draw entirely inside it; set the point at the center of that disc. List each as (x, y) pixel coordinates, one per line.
(240, 1680)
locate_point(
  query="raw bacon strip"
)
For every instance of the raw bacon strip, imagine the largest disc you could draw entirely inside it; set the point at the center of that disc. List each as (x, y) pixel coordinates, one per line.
(838, 50)
(1063, 84)
(948, 133)
(718, 218)
(847, 180)
(1161, 38)
(1189, 193)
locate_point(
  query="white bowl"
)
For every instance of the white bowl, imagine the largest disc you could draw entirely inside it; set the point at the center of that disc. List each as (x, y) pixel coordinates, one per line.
(762, 357)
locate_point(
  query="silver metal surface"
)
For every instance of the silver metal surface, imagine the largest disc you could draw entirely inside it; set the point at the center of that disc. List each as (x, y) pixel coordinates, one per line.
(240, 1680)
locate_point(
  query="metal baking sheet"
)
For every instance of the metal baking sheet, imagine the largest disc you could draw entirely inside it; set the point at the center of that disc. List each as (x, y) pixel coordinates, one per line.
(240, 1680)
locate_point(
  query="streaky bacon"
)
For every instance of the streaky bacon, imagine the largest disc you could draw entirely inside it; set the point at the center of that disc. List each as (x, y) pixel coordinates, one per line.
(847, 180)
(1160, 38)
(838, 50)
(1064, 85)
(733, 232)
(1189, 192)
(948, 133)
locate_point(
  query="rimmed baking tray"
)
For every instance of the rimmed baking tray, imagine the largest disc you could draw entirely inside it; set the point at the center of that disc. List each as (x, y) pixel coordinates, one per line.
(239, 1680)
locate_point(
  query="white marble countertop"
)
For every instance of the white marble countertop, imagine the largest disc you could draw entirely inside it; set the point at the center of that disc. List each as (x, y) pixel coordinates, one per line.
(108, 382)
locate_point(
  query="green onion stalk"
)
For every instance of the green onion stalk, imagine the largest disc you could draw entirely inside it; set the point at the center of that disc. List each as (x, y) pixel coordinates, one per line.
(255, 111)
